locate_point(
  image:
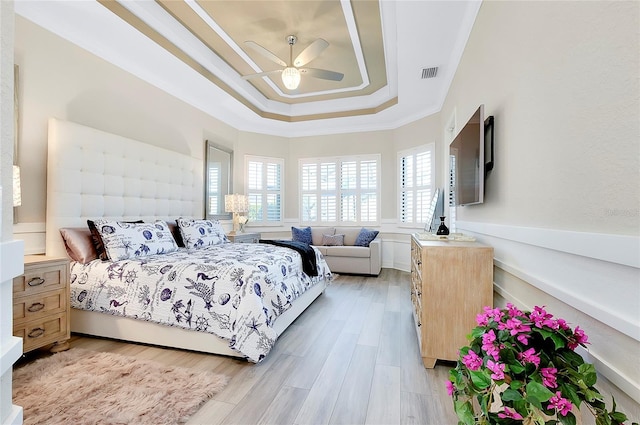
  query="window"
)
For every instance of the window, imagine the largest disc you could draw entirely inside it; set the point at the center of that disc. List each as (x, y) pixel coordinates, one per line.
(417, 181)
(264, 189)
(342, 190)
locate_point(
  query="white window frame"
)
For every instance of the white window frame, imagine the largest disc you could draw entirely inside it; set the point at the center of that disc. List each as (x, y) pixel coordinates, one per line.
(413, 152)
(265, 192)
(338, 192)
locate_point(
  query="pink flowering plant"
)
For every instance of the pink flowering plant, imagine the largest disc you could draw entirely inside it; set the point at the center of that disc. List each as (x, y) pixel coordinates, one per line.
(521, 368)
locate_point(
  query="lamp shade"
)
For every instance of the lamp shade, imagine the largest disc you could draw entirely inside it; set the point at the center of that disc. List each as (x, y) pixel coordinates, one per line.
(236, 203)
(17, 192)
(291, 78)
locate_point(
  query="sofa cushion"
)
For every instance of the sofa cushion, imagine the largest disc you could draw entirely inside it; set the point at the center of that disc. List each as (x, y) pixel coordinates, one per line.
(365, 237)
(350, 234)
(301, 234)
(348, 251)
(335, 240)
(318, 232)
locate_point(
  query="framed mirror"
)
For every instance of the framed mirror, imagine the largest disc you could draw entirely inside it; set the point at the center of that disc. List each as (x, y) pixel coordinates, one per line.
(218, 172)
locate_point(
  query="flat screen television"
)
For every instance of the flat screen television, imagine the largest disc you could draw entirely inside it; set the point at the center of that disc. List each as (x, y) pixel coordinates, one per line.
(467, 161)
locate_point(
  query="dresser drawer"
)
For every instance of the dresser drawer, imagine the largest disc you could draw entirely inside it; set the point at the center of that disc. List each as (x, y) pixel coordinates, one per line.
(37, 279)
(37, 306)
(38, 333)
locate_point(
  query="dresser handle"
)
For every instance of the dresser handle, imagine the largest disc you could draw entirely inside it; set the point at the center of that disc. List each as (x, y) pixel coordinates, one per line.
(35, 307)
(35, 281)
(35, 333)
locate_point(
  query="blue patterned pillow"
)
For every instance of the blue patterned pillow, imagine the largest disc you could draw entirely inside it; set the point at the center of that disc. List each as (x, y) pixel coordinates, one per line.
(201, 233)
(365, 237)
(303, 234)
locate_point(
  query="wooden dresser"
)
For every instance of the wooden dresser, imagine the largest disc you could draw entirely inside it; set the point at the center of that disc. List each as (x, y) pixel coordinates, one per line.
(451, 282)
(41, 303)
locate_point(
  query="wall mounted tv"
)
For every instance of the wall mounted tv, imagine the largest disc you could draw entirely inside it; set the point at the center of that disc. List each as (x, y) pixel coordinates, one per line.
(467, 160)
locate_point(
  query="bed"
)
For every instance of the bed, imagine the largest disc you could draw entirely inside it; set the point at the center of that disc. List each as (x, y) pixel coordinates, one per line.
(94, 175)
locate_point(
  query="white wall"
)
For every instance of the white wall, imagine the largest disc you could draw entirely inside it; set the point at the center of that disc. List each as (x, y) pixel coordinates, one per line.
(561, 205)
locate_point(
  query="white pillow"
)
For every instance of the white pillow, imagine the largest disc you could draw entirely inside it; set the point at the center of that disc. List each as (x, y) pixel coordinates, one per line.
(129, 240)
(201, 233)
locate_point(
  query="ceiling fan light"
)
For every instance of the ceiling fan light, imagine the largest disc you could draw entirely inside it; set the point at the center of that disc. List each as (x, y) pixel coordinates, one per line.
(291, 78)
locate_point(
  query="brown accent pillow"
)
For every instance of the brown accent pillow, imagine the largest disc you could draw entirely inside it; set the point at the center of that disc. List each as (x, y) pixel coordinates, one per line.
(77, 241)
(97, 239)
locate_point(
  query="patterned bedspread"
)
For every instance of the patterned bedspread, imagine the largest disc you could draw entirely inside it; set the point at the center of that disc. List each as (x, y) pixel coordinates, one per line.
(234, 291)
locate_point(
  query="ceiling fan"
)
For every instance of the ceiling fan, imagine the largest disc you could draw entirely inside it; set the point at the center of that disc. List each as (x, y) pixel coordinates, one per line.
(292, 72)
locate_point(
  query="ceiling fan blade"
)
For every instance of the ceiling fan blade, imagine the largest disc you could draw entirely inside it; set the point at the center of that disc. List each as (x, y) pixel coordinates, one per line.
(311, 52)
(264, 52)
(261, 74)
(322, 73)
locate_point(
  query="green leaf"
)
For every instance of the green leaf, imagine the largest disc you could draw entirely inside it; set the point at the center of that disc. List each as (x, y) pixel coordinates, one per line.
(477, 332)
(588, 372)
(534, 401)
(618, 416)
(516, 368)
(539, 391)
(570, 392)
(464, 412)
(480, 378)
(558, 341)
(570, 419)
(511, 395)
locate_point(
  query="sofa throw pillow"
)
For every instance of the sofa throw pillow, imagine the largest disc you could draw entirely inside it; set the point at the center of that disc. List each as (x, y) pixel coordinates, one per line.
(123, 240)
(301, 234)
(333, 240)
(365, 237)
(96, 238)
(200, 233)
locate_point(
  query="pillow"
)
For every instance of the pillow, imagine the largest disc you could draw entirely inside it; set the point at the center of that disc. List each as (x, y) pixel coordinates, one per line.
(79, 245)
(333, 240)
(318, 232)
(124, 240)
(365, 237)
(301, 234)
(201, 233)
(97, 239)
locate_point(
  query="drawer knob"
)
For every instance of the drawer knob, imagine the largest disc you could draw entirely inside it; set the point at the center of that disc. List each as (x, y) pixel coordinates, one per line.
(35, 307)
(36, 333)
(35, 281)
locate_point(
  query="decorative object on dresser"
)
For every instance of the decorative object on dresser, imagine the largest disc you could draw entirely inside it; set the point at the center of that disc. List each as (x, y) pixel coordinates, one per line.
(83, 386)
(451, 282)
(41, 303)
(244, 237)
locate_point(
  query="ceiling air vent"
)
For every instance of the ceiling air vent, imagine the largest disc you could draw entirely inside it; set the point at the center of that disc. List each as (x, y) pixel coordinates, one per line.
(429, 72)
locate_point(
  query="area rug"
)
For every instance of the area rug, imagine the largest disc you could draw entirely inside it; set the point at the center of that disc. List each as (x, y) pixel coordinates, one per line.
(88, 387)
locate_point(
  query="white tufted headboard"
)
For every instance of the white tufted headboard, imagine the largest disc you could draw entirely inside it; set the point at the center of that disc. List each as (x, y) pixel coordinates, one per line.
(91, 173)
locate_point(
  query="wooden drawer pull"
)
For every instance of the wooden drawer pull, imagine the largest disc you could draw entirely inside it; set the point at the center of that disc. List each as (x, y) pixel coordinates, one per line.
(35, 307)
(36, 333)
(35, 281)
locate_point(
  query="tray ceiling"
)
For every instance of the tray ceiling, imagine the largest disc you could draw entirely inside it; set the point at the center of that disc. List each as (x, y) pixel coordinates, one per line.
(196, 50)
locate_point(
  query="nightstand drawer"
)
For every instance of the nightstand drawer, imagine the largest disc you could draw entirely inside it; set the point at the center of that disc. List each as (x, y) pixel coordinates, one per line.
(38, 333)
(40, 279)
(38, 306)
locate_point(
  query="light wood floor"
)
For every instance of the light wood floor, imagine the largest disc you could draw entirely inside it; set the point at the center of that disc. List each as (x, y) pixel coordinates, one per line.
(351, 358)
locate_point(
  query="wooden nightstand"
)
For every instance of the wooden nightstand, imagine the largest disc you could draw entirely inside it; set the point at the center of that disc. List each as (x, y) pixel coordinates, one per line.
(41, 303)
(244, 237)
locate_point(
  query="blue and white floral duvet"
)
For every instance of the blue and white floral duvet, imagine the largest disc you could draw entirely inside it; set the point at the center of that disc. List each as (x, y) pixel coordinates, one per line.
(234, 291)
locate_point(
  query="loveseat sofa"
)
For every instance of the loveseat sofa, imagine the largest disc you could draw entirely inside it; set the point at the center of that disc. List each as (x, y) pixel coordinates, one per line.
(338, 246)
